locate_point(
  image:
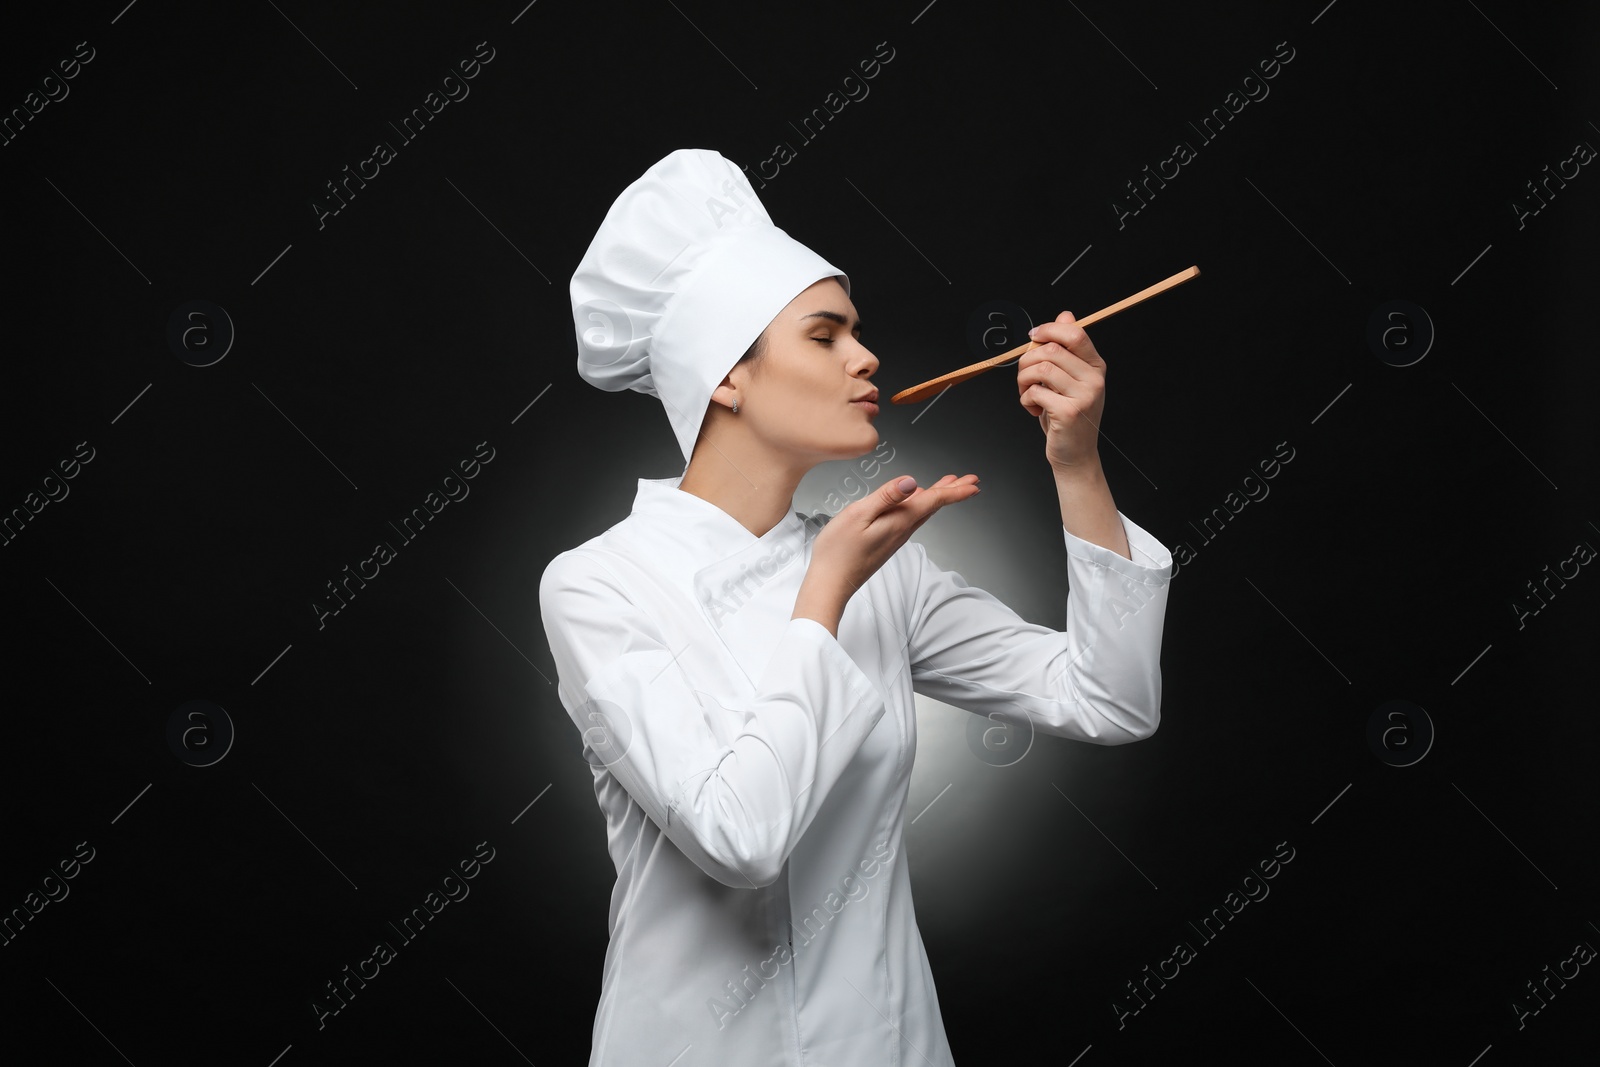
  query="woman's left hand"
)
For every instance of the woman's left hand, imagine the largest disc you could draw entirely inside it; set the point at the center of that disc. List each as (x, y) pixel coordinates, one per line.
(1063, 382)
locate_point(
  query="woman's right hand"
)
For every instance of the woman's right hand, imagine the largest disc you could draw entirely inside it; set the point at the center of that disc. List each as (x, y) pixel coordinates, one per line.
(862, 537)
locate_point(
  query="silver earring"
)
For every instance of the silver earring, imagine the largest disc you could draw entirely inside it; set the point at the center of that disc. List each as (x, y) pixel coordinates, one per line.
(736, 407)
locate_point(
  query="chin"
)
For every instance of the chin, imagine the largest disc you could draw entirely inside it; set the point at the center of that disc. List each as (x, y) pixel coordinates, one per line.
(851, 443)
(869, 441)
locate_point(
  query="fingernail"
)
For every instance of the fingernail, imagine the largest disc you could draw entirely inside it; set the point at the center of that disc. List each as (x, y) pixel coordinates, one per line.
(906, 484)
(1034, 332)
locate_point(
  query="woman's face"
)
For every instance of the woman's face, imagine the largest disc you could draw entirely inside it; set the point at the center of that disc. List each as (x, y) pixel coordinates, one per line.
(798, 396)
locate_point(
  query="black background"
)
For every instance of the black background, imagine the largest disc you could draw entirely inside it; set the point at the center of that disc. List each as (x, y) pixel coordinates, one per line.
(431, 314)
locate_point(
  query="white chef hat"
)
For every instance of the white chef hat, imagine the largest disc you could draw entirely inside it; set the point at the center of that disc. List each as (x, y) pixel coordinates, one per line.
(684, 273)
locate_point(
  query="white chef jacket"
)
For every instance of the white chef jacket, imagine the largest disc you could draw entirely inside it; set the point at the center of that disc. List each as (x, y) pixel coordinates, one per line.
(753, 769)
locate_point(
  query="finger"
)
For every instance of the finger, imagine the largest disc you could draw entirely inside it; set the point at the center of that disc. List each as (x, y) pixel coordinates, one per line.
(1072, 363)
(948, 479)
(894, 491)
(951, 494)
(1025, 398)
(891, 497)
(937, 497)
(1068, 334)
(1052, 378)
(1064, 330)
(1040, 399)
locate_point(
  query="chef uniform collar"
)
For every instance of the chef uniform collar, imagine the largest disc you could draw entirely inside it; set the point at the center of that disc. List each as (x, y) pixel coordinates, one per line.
(682, 276)
(714, 559)
(697, 523)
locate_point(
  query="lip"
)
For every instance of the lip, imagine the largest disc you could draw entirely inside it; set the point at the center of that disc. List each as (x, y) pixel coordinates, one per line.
(872, 409)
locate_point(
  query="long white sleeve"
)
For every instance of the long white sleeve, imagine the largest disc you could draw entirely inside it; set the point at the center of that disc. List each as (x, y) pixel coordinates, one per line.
(1098, 681)
(734, 789)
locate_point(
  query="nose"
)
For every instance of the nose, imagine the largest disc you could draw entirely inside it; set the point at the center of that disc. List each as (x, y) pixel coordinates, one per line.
(866, 364)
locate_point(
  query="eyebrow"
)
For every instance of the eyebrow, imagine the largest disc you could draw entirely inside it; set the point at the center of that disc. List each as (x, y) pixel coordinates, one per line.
(833, 316)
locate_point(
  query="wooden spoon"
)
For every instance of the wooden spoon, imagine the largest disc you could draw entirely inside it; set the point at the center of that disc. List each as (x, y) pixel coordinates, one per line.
(939, 384)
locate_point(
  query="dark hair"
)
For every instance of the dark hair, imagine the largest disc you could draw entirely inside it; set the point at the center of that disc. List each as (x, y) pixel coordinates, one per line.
(757, 349)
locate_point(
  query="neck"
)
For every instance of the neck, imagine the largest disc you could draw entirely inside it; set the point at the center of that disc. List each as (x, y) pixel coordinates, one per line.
(757, 490)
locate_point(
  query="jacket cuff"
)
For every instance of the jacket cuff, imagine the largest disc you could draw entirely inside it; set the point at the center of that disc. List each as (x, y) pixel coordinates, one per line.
(836, 661)
(1151, 562)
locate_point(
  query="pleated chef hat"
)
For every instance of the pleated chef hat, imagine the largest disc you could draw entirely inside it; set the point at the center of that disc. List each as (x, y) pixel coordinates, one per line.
(684, 273)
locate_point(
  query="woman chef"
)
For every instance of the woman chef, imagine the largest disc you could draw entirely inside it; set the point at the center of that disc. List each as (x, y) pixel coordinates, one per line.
(743, 675)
